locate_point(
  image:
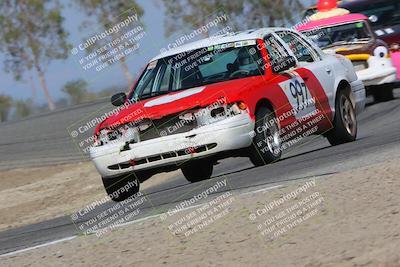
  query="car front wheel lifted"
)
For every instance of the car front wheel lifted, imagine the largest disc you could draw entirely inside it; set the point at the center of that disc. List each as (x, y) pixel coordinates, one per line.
(121, 187)
(198, 170)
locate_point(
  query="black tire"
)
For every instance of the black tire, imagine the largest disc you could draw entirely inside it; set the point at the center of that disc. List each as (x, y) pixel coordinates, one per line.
(121, 187)
(345, 122)
(270, 152)
(198, 170)
(382, 93)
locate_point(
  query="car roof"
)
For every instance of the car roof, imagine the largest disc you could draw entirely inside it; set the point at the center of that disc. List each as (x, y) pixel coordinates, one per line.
(220, 39)
(315, 24)
(356, 3)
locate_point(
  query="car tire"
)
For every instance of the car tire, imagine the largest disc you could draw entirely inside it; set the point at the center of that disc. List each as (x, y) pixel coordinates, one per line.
(262, 156)
(198, 170)
(345, 122)
(121, 187)
(382, 93)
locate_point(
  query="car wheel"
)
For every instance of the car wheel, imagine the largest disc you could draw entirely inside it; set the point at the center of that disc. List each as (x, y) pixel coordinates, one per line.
(198, 170)
(382, 93)
(121, 187)
(345, 121)
(266, 147)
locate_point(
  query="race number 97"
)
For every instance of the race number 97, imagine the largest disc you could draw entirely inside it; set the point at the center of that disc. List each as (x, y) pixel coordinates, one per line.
(299, 92)
(299, 96)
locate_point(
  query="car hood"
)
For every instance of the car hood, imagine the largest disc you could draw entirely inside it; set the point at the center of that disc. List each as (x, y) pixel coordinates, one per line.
(175, 102)
(356, 48)
(389, 34)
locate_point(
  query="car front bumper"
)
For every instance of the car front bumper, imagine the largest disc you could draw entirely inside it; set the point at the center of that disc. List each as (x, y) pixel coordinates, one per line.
(229, 134)
(380, 71)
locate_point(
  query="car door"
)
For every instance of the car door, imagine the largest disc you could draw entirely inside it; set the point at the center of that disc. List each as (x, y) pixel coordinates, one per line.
(317, 73)
(300, 97)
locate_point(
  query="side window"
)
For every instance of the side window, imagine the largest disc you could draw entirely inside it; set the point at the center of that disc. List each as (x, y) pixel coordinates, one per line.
(301, 50)
(276, 52)
(146, 82)
(274, 48)
(166, 79)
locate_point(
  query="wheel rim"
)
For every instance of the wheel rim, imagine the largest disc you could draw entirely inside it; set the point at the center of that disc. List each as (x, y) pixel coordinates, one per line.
(271, 135)
(348, 115)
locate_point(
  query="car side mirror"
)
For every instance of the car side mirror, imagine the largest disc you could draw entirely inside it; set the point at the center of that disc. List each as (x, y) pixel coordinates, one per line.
(118, 99)
(284, 64)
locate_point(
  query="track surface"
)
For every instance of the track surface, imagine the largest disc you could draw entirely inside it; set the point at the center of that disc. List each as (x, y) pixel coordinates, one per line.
(45, 139)
(378, 140)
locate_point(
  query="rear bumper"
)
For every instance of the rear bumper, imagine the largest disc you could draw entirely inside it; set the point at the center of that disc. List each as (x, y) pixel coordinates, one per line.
(229, 134)
(359, 94)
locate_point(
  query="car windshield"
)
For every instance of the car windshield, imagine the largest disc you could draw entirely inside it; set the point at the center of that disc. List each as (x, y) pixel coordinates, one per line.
(340, 34)
(199, 67)
(383, 13)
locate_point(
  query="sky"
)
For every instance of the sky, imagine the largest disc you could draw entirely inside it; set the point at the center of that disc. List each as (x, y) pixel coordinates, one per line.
(61, 71)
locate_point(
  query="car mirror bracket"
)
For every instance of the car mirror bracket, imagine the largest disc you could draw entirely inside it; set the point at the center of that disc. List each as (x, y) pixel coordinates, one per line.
(118, 99)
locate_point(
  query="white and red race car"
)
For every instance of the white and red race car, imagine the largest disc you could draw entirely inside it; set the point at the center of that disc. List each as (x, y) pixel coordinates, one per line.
(240, 94)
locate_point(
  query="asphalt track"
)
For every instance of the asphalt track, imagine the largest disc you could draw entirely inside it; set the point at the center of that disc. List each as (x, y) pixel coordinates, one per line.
(378, 140)
(45, 139)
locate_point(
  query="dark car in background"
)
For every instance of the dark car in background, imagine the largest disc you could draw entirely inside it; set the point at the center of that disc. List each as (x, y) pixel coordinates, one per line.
(384, 16)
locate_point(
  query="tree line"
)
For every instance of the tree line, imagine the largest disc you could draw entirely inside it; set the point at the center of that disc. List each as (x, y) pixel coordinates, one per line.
(33, 34)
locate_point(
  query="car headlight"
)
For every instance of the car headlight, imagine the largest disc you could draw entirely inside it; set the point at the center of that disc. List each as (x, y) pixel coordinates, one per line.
(144, 125)
(101, 138)
(381, 52)
(124, 133)
(217, 113)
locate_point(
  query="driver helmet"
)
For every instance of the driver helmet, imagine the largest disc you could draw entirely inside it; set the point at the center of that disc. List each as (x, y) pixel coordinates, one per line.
(244, 57)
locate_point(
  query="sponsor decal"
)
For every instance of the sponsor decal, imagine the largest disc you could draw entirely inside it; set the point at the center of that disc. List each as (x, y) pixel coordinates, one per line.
(245, 43)
(171, 98)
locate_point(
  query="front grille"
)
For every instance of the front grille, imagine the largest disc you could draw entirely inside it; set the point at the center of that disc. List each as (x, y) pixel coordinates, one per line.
(171, 154)
(167, 125)
(360, 65)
